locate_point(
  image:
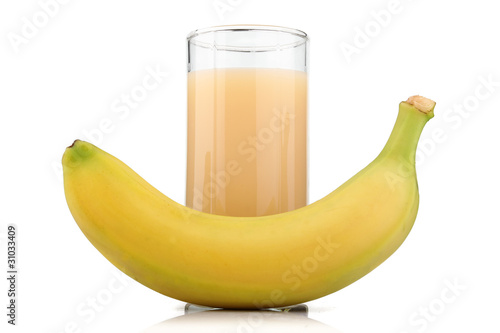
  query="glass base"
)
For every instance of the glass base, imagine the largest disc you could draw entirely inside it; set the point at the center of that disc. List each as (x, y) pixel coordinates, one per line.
(300, 309)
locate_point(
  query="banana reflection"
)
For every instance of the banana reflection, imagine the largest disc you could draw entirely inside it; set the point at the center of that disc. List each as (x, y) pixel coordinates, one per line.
(208, 320)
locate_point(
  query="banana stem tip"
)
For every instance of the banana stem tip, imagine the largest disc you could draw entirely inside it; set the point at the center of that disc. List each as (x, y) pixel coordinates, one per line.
(71, 146)
(421, 103)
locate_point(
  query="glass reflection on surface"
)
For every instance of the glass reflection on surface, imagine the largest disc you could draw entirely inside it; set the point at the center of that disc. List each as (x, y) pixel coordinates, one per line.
(207, 320)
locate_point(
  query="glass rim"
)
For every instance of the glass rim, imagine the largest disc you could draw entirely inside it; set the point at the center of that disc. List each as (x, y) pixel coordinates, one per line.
(302, 37)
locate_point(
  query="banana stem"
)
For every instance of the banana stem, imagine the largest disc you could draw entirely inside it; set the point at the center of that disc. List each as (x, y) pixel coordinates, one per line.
(412, 117)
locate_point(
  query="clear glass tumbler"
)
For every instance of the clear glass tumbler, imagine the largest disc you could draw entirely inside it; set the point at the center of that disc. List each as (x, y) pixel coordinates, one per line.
(247, 120)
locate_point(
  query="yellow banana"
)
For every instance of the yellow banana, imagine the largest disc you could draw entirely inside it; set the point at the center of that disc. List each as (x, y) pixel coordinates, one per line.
(249, 262)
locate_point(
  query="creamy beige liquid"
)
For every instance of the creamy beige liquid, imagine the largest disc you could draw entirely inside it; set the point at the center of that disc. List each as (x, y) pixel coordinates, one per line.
(247, 141)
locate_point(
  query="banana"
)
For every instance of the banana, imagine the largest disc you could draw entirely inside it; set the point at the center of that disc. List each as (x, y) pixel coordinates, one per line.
(249, 262)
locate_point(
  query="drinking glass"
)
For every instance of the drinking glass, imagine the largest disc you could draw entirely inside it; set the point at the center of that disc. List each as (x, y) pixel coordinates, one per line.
(247, 120)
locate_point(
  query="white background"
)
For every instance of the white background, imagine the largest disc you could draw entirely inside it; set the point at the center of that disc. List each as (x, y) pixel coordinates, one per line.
(61, 81)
